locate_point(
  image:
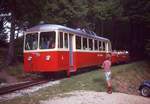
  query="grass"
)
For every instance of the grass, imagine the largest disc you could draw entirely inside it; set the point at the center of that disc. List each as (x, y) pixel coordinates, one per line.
(17, 71)
(125, 79)
(13, 70)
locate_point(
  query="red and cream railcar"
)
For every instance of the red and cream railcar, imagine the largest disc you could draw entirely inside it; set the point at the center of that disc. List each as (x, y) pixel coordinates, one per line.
(119, 57)
(52, 48)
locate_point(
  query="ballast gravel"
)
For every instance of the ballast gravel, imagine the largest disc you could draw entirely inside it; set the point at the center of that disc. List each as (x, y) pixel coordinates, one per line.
(27, 91)
(91, 97)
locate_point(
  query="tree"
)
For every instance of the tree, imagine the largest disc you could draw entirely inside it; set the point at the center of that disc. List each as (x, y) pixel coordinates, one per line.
(21, 12)
(137, 12)
(66, 12)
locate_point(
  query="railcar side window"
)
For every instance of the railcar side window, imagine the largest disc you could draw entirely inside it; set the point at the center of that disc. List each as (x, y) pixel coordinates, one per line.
(31, 42)
(78, 42)
(47, 40)
(66, 40)
(104, 46)
(100, 45)
(95, 44)
(60, 40)
(90, 44)
(85, 43)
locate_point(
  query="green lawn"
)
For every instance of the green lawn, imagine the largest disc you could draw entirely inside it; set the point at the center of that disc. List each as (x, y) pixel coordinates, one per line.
(125, 78)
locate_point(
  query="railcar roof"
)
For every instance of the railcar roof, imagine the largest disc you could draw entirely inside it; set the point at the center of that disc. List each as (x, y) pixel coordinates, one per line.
(52, 27)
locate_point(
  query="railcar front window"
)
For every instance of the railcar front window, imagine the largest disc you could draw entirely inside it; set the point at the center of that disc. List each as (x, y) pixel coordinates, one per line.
(31, 42)
(47, 40)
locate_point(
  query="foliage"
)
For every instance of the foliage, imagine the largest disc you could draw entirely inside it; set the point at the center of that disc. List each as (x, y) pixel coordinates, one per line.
(137, 10)
(65, 11)
(103, 16)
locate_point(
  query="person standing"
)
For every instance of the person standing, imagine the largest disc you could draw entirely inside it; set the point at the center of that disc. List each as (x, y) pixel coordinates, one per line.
(107, 72)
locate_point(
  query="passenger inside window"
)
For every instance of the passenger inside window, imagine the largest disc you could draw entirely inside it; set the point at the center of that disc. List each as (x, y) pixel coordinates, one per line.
(31, 42)
(51, 42)
(47, 40)
(43, 43)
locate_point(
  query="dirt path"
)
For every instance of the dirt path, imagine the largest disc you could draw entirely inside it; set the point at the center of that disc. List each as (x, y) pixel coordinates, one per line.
(90, 97)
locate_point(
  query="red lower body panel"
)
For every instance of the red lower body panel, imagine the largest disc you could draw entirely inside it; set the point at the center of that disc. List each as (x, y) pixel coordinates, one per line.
(57, 61)
(86, 59)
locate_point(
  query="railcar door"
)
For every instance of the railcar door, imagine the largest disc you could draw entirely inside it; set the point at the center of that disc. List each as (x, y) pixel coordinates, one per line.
(71, 66)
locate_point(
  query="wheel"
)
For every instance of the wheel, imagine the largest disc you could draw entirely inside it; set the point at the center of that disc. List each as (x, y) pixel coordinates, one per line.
(145, 91)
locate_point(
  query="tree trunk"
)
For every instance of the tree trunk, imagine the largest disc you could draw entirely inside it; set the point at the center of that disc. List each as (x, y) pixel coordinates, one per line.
(10, 57)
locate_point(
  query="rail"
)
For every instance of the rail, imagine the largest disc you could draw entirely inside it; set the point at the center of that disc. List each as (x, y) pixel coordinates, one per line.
(18, 86)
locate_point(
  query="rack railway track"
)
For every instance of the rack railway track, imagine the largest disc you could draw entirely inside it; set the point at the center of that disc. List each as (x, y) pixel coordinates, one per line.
(22, 85)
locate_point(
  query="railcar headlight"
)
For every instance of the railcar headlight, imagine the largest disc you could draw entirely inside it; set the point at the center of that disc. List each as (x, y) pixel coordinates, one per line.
(29, 58)
(47, 58)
